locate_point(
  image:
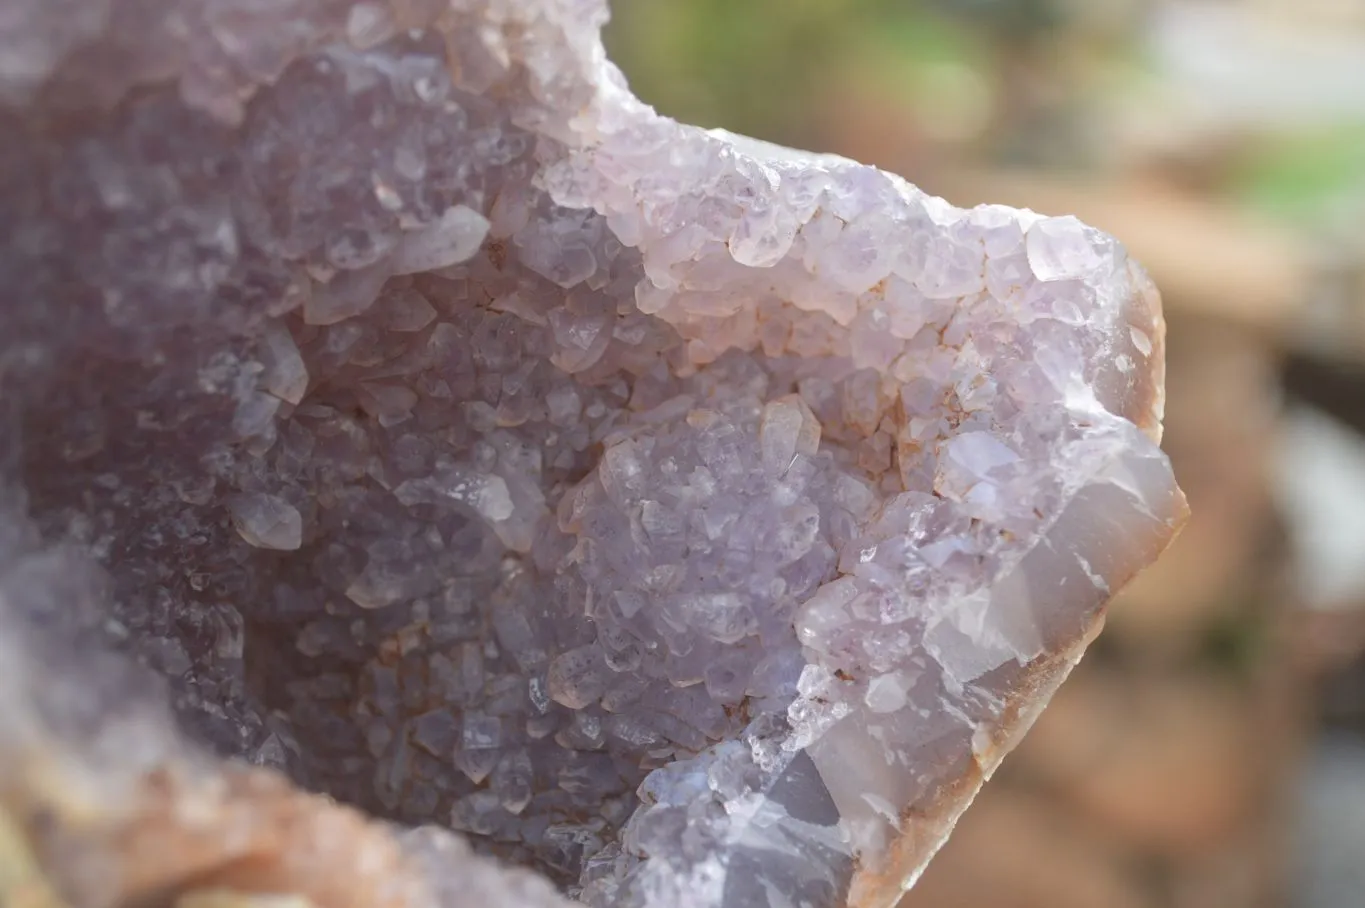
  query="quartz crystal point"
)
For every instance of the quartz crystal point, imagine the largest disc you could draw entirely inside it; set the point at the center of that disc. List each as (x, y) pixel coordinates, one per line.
(398, 414)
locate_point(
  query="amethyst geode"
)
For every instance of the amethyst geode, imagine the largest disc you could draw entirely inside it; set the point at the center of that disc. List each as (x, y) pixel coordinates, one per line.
(434, 426)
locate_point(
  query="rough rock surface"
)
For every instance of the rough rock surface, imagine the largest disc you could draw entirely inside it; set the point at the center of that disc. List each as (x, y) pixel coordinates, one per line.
(396, 409)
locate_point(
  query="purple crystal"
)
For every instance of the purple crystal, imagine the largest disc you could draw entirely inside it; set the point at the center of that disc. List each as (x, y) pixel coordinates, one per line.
(694, 521)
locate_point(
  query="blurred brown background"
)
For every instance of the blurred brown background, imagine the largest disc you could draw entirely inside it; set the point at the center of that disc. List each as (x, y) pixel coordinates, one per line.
(1210, 751)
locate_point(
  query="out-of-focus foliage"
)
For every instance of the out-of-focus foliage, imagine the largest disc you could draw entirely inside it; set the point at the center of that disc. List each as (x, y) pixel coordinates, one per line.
(1303, 178)
(764, 65)
(999, 77)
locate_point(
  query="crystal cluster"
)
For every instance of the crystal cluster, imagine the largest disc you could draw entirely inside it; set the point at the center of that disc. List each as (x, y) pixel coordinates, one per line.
(432, 424)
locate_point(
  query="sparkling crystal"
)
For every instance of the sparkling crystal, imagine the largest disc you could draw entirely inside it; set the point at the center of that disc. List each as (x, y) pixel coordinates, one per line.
(1062, 249)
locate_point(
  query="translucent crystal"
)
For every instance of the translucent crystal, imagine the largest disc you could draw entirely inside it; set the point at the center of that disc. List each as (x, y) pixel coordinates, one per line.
(347, 294)
(285, 375)
(267, 522)
(578, 677)
(1062, 249)
(452, 239)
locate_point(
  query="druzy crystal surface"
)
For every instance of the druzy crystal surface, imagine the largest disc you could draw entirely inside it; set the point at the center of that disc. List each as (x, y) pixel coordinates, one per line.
(398, 411)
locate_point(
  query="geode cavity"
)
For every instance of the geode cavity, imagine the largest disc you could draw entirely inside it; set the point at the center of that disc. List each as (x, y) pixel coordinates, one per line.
(432, 425)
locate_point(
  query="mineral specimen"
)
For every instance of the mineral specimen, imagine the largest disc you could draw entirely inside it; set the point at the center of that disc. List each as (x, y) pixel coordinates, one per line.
(409, 411)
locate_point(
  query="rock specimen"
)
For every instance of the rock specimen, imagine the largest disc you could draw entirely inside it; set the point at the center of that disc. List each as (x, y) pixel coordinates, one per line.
(434, 426)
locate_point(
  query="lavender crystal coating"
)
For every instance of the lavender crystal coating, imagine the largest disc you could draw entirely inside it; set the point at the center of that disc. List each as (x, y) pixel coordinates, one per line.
(695, 521)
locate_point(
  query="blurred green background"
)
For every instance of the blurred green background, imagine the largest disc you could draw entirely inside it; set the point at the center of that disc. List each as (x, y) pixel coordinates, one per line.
(1210, 751)
(1047, 83)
